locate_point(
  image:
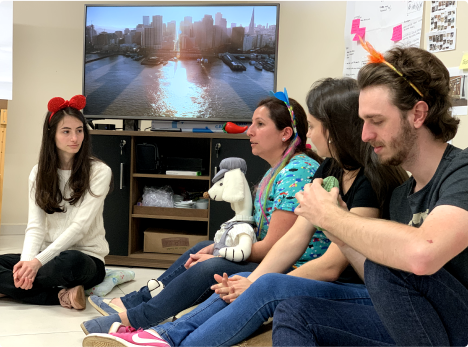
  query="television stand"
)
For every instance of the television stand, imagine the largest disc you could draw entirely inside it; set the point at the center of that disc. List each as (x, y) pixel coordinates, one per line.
(125, 222)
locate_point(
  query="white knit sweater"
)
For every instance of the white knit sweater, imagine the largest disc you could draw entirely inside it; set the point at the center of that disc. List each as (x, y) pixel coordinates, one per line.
(80, 228)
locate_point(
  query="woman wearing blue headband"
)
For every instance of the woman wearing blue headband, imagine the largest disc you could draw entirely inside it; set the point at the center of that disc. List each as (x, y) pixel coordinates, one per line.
(280, 140)
(244, 302)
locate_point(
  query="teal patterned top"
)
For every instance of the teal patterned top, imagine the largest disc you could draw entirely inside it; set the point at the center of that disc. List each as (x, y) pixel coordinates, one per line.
(292, 179)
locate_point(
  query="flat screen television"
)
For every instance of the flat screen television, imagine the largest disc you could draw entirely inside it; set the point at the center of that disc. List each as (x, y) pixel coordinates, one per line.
(210, 62)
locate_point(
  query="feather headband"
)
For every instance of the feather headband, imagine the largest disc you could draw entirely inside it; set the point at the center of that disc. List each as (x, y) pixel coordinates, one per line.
(378, 58)
(58, 103)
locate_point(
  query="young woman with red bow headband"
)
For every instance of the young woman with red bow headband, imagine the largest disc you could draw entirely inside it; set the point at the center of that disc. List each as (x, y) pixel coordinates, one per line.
(65, 245)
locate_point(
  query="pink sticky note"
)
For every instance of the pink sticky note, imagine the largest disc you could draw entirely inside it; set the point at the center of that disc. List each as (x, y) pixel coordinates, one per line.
(361, 32)
(397, 33)
(355, 26)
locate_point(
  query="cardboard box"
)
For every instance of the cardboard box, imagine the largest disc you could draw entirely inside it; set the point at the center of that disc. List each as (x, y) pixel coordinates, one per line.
(167, 241)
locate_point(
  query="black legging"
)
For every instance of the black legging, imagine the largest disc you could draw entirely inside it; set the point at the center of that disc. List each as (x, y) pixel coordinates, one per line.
(68, 269)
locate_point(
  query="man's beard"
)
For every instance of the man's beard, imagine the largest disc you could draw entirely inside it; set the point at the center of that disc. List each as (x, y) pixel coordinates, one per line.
(402, 145)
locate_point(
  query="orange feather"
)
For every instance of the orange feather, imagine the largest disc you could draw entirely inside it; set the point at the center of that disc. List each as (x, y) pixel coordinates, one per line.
(374, 57)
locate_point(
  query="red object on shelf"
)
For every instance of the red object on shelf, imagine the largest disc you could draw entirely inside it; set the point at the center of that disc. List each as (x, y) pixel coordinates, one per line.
(232, 128)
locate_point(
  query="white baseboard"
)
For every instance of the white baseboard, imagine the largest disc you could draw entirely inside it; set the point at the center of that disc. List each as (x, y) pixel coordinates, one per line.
(12, 229)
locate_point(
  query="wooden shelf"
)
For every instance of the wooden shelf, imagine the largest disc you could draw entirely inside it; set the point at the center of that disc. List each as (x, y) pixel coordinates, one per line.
(156, 260)
(179, 177)
(153, 216)
(170, 134)
(155, 256)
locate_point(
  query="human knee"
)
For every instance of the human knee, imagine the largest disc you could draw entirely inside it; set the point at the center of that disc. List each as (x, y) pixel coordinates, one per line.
(267, 282)
(373, 274)
(378, 278)
(210, 267)
(69, 263)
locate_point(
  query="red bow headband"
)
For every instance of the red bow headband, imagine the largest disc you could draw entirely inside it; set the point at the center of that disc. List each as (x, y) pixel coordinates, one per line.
(58, 103)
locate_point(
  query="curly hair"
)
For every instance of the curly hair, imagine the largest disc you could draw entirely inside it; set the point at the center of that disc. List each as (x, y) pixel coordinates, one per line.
(428, 74)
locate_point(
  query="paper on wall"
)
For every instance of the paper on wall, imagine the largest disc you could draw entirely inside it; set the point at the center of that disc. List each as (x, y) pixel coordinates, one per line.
(464, 61)
(381, 20)
(442, 5)
(442, 36)
(443, 20)
(439, 41)
(459, 90)
(6, 50)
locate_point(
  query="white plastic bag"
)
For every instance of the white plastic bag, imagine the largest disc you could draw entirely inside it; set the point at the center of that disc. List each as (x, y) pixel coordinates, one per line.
(158, 196)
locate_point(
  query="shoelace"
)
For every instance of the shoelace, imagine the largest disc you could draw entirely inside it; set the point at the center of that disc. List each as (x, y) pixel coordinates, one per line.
(126, 330)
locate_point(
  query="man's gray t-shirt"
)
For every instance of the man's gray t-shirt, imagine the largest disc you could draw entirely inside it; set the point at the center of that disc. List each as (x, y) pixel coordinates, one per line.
(448, 186)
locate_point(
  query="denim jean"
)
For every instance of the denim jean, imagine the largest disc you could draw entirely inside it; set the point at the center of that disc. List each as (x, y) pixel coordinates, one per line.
(215, 323)
(68, 269)
(409, 310)
(178, 266)
(183, 288)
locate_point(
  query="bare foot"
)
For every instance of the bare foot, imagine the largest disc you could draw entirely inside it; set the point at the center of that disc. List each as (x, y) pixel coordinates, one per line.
(118, 302)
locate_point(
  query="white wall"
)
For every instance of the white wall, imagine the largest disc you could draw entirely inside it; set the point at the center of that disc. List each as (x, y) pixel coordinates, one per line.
(47, 62)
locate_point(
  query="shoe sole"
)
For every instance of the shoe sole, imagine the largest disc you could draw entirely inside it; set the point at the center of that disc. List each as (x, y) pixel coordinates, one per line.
(100, 310)
(84, 329)
(80, 300)
(116, 308)
(104, 340)
(101, 341)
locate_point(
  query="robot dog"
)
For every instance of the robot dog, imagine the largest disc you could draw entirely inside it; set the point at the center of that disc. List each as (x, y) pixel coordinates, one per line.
(234, 239)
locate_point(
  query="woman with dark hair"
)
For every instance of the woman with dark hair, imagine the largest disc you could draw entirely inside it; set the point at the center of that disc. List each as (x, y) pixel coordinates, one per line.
(244, 302)
(277, 135)
(65, 245)
(328, 102)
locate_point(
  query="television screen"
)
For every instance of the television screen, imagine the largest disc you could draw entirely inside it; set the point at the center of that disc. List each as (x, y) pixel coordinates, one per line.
(174, 62)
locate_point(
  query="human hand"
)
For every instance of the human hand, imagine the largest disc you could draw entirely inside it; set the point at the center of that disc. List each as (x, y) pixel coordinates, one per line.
(315, 203)
(222, 288)
(229, 289)
(24, 273)
(205, 250)
(197, 258)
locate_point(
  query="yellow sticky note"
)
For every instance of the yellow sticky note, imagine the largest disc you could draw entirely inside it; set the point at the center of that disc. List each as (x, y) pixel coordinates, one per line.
(464, 62)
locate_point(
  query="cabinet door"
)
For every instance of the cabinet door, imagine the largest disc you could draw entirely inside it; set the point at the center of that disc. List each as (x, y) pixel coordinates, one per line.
(116, 206)
(221, 211)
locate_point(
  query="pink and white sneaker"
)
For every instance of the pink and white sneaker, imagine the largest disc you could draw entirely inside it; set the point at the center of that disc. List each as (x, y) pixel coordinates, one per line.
(118, 327)
(125, 339)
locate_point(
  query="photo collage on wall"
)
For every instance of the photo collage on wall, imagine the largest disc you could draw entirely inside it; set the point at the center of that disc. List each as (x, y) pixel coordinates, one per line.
(442, 41)
(459, 91)
(442, 36)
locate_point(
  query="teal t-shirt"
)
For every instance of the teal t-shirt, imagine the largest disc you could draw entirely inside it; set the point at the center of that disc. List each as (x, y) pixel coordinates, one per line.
(292, 179)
